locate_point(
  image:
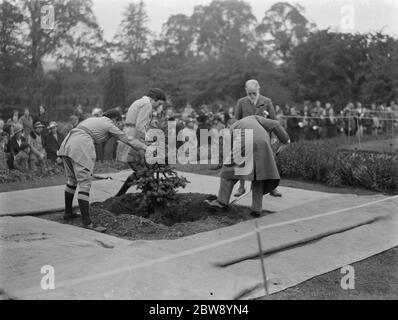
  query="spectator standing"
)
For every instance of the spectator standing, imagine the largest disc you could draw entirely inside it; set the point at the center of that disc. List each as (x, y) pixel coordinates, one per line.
(78, 112)
(42, 117)
(52, 142)
(359, 114)
(4, 156)
(293, 125)
(318, 109)
(14, 121)
(110, 146)
(331, 124)
(36, 143)
(187, 113)
(374, 114)
(305, 114)
(27, 122)
(322, 124)
(350, 126)
(367, 121)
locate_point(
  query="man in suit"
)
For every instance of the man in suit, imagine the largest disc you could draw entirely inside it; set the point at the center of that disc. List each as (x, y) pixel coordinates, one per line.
(258, 166)
(52, 142)
(14, 145)
(254, 104)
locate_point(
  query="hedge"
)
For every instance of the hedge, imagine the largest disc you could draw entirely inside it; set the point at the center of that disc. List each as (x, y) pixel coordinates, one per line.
(323, 161)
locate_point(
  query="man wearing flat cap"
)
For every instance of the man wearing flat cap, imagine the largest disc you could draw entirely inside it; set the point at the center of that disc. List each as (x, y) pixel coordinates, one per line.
(36, 142)
(52, 142)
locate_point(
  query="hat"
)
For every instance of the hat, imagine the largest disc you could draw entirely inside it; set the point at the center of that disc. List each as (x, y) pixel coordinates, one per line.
(18, 128)
(52, 124)
(38, 124)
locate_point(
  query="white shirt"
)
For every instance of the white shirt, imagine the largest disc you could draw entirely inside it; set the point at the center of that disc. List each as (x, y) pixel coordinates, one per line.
(138, 117)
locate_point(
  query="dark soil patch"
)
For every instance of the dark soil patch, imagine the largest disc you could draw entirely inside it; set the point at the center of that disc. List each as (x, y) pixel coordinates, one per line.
(122, 218)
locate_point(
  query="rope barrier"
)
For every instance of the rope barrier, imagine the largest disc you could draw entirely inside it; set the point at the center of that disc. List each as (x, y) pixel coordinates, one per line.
(341, 117)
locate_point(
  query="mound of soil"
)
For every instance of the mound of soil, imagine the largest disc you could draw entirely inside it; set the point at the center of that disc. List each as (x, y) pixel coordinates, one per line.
(122, 218)
(188, 207)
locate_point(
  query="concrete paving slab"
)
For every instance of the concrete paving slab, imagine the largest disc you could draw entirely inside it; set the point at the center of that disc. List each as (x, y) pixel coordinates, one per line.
(33, 201)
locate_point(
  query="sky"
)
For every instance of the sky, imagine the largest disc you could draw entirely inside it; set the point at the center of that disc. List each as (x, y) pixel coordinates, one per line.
(339, 15)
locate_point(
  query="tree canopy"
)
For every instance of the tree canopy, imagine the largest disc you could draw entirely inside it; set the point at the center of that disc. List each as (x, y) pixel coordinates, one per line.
(204, 57)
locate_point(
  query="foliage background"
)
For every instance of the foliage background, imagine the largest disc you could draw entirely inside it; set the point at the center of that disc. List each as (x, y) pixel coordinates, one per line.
(200, 58)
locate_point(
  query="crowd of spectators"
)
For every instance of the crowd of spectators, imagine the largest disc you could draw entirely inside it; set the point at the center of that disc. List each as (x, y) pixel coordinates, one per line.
(29, 143)
(315, 121)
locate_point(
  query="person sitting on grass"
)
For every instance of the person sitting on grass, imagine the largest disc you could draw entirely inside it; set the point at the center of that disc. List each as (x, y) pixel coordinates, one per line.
(36, 142)
(21, 160)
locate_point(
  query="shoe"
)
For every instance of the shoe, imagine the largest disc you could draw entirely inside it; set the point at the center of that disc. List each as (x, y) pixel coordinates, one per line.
(215, 204)
(91, 227)
(240, 192)
(255, 214)
(69, 216)
(275, 193)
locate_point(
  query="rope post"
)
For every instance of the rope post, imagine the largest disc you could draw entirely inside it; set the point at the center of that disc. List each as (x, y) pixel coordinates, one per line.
(260, 248)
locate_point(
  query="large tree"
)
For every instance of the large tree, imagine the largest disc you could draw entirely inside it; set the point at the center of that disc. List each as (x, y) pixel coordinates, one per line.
(115, 88)
(84, 49)
(132, 38)
(45, 41)
(223, 26)
(340, 67)
(283, 27)
(11, 50)
(177, 36)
